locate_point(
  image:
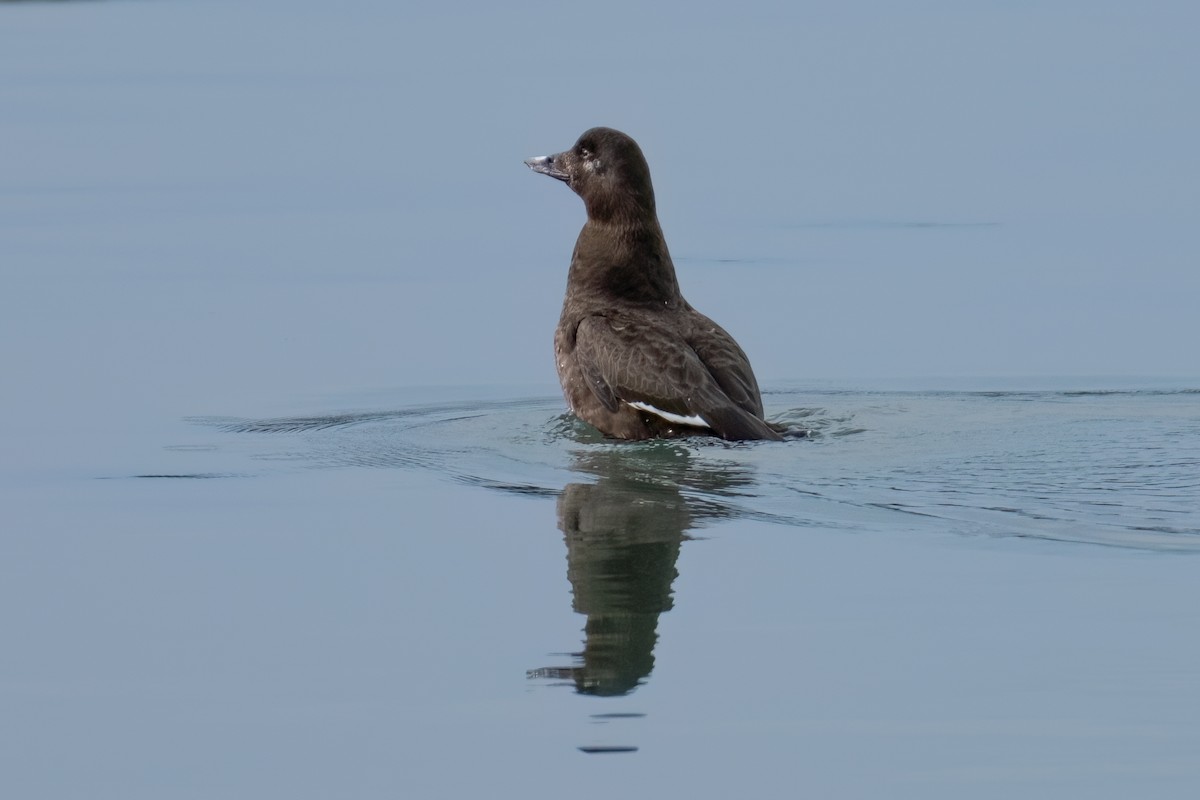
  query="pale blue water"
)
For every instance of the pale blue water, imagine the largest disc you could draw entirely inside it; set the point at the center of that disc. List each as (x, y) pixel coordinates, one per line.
(939, 592)
(288, 506)
(1116, 466)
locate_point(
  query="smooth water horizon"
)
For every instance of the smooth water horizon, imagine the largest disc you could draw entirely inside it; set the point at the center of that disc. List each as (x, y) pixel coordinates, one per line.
(291, 506)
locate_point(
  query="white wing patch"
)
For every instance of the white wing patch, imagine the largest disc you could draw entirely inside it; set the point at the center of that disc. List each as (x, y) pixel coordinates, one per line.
(694, 420)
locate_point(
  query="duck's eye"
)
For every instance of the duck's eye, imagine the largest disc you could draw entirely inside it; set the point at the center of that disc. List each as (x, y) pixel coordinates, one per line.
(585, 151)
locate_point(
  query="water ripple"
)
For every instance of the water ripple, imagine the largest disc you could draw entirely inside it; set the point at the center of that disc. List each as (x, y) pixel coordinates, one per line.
(1118, 468)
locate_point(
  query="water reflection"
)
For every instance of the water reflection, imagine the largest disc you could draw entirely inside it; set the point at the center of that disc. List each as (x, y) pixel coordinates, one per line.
(623, 534)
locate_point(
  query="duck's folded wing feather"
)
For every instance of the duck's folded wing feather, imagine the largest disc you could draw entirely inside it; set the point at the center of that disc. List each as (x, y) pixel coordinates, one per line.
(727, 363)
(655, 371)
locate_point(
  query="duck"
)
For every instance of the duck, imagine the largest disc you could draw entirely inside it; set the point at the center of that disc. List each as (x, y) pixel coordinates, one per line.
(636, 361)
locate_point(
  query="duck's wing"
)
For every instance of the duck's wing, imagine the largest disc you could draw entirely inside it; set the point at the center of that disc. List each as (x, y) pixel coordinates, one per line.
(726, 362)
(654, 370)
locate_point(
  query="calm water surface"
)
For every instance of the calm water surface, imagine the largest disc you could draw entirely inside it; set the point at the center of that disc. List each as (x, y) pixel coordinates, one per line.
(1100, 466)
(936, 591)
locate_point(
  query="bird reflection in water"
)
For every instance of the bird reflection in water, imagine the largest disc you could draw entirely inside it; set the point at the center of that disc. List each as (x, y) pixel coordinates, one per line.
(623, 533)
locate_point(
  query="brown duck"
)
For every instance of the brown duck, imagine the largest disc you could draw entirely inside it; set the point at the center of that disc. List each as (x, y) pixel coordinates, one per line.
(635, 360)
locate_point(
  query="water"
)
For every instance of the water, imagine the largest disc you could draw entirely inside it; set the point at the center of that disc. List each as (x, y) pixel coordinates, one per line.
(1117, 466)
(966, 587)
(289, 506)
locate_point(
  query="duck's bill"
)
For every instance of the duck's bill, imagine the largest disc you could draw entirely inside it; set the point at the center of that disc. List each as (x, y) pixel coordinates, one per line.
(548, 165)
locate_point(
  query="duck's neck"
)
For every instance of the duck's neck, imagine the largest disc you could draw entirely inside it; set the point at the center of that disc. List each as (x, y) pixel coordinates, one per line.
(625, 260)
